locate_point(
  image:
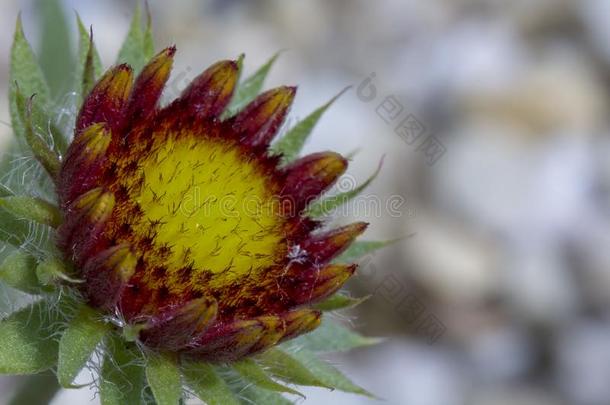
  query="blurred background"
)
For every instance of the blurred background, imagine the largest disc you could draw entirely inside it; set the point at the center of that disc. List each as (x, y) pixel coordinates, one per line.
(492, 118)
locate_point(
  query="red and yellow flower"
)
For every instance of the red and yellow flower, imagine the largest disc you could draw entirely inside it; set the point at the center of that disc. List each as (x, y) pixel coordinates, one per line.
(185, 226)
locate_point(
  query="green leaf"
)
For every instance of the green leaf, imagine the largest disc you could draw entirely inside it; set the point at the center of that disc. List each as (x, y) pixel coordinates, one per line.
(327, 205)
(332, 337)
(25, 73)
(89, 66)
(18, 270)
(163, 376)
(254, 373)
(12, 230)
(328, 374)
(359, 249)
(249, 89)
(291, 144)
(137, 44)
(33, 209)
(148, 41)
(53, 269)
(285, 367)
(77, 344)
(339, 301)
(56, 59)
(252, 395)
(31, 114)
(122, 377)
(28, 345)
(207, 384)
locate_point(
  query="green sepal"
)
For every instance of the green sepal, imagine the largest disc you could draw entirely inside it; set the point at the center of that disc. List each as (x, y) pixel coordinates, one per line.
(339, 301)
(251, 394)
(163, 376)
(26, 73)
(253, 372)
(78, 343)
(32, 209)
(54, 49)
(359, 249)
(331, 336)
(32, 116)
(89, 67)
(249, 88)
(328, 374)
(122, 376)
(28, 343)
(13, 230)
(285, 367)
(205, 382)
(327, 205)
(52, 270)
(18, 270)
(290, 145)
(138, 47)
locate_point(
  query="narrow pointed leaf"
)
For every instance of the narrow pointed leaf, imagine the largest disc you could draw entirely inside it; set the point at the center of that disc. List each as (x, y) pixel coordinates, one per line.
(56, 59)
(148, 41)
(32, 209)
(359, 249)
(331, 336)
(339, 301)
(132, 51)
(25, 73)
(18, 270)
(291, 144)
(89, 64)
(28, 345)
(328, 374)
(253, 395)
(249, 89)
(32, 117)
(254, 373)
(329, 204)
(122, 377)
(163, 377)
(285, 367)
(207, 384)
(77, 344)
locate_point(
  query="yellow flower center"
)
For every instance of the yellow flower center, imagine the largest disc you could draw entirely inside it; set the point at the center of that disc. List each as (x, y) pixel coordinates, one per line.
(207, 214)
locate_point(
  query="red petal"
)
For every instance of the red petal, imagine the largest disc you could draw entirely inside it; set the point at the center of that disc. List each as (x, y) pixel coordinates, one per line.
(325, 246)
(260, 120)
(84, 224)
(176, 326)
(149, 85)
(83, 164)
(107, 100)
(310, 176)
(316, 284)
(300, 321)
(228, 341)
(210, 92)
(107, 275)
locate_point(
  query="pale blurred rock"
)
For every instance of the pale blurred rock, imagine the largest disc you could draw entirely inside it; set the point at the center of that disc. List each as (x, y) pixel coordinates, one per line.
(557, 95)
(455, 265)
(583, 368)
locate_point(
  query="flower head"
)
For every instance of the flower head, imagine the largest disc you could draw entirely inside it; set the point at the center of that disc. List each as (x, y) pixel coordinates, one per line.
(184, 223)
